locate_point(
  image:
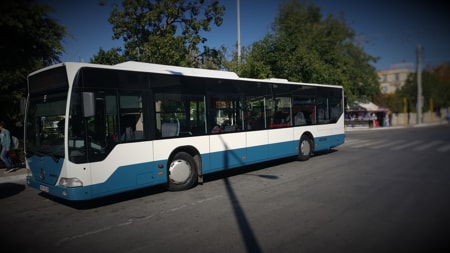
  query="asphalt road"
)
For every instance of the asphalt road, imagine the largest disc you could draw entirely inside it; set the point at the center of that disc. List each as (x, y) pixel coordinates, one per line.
(382, 191)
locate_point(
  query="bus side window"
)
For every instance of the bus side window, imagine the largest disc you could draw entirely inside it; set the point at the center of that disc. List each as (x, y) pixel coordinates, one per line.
(127, 127)
(299, 119)
(131, 119)
(225, 114)
(170, 129)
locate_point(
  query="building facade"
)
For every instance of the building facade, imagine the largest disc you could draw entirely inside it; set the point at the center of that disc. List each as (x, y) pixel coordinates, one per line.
(393, 79)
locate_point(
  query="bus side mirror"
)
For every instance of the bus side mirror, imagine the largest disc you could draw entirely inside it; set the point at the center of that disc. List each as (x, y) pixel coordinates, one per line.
(88, 104)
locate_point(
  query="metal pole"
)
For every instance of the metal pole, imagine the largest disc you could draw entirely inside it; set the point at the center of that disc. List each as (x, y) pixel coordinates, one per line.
(405, 111)
(239, 31)
(419, 85)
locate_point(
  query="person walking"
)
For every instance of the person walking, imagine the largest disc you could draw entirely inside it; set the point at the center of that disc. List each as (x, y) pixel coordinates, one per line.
(6, 145)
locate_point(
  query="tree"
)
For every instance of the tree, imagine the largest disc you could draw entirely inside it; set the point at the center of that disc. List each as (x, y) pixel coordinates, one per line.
(30, 40)
(111, 57)
(438, 85)
(390, 101)
(303, 46)
(167, 31)
(435, 86)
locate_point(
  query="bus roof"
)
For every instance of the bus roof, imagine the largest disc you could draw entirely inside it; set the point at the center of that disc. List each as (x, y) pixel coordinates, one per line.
(185, 71)
(175, 70)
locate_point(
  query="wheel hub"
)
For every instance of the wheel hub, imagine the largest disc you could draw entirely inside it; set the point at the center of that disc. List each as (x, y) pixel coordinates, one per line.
(305, 148)
(179, 171)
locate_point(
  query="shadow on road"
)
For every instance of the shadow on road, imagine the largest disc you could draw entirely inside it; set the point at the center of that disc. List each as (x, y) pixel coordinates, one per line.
(10, 189)
(248, 236)
(324, 152)
(251, 243)
(246, 169)
(109, 200)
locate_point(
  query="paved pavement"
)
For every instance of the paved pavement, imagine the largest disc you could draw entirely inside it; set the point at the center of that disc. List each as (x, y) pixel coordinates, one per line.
(16, 176)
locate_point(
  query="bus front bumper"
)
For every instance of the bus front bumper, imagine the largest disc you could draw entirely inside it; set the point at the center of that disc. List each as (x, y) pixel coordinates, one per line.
(69, 193)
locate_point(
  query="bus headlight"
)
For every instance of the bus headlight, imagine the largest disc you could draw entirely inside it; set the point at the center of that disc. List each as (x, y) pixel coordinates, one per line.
(70, 182)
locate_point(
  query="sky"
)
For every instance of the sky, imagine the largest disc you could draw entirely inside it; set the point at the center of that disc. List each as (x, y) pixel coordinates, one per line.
(392, 29)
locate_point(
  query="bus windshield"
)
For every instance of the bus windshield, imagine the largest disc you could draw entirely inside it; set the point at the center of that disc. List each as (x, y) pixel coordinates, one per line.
(45, 125)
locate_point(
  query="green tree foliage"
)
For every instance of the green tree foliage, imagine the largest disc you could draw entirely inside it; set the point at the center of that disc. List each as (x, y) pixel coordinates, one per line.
(306, 47)
(30, 40)
(435, 87)
(167, 31)
(390, 101)
(111, 57)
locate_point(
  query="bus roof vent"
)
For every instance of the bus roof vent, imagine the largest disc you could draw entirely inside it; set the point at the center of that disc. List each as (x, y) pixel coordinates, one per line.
(279, 80)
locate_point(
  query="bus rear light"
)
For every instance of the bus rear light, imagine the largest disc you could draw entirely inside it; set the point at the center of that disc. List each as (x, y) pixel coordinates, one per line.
(70, 182)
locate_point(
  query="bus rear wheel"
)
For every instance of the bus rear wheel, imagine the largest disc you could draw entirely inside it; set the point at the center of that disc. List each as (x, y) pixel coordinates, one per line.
(182, 172)
(305, 148)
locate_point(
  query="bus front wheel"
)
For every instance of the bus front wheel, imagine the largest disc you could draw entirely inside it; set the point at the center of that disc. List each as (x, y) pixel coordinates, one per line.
(305, 148)
(182, 172)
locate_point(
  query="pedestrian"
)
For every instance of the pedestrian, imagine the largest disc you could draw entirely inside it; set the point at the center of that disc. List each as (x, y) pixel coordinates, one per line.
(6, 144)
(390, 118)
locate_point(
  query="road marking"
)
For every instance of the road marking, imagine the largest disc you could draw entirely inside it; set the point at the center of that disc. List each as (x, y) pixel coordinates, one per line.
(428, 145)
(444, 148)
(397, 144)
(387, 144)
(369, 143)
(354, 140)
(406, 145)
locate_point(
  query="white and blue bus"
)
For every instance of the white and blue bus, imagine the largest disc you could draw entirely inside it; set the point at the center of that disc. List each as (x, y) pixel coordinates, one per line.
(96, 130)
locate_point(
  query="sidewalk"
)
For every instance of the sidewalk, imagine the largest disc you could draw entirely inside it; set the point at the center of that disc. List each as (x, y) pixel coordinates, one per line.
(15, 176)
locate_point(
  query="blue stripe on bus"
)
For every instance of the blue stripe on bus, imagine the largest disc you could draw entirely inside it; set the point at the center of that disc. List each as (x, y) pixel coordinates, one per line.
(327, 142)
(124, 178)
(131, 177)
(137, 176)
(224, 160)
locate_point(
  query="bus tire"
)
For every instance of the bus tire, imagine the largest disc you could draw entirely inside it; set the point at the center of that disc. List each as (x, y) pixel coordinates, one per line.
(305, 148)
(182, 172)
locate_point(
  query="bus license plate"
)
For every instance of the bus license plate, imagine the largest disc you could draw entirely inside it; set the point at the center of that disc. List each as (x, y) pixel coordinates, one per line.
(43, 188)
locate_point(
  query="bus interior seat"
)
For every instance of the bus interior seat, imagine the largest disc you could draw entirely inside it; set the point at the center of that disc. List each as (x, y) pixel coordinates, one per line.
(170, 129)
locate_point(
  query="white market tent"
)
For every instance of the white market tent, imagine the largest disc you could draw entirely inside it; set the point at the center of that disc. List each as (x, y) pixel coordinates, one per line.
(367, 106)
